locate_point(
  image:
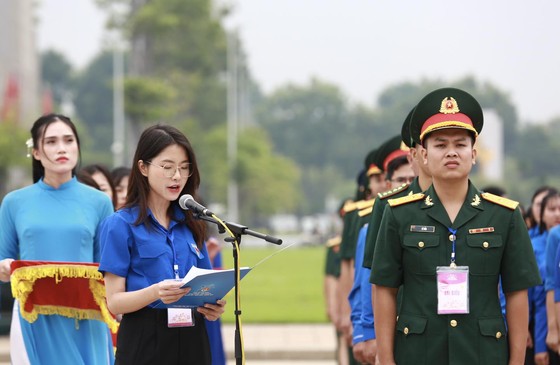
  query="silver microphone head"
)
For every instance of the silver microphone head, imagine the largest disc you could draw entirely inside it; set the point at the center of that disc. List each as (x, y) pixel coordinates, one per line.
(183, 201)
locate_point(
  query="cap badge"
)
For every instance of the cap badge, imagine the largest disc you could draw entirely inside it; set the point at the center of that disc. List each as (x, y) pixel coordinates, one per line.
(449, 106)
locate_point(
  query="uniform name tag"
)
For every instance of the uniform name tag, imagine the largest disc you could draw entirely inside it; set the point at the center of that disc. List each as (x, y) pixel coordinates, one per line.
(429, 229)
(179, 317)
(453, 289)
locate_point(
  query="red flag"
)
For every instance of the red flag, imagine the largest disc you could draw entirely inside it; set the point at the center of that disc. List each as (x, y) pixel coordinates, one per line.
(10, 104)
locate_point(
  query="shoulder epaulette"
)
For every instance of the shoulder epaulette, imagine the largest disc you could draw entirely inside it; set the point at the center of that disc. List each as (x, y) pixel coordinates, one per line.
(392, 192)
(335, 241)
(363, 204)
(504, 202)
(364, 212)
(405, 199)
(349, 206)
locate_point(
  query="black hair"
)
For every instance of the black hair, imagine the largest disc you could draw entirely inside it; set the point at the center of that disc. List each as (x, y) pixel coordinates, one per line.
(532, 222)
(94, 168)
(394, 165)
(153, 140)
(553, 193)
(37, 134)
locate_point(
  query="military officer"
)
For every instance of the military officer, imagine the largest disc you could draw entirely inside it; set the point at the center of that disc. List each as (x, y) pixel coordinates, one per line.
(422, 181)
(392, 156)
(346, 253)
(447, 247)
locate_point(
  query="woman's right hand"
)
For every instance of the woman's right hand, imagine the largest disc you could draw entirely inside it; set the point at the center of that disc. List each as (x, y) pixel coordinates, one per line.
(169, 291)
(5, 269)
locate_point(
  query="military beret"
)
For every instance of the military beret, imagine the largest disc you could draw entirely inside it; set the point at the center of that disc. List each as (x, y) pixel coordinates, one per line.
(446, 108)
(370, 164)
(405, 131)
(390, 150)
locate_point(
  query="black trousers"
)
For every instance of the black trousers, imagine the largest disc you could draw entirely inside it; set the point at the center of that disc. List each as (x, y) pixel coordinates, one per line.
(144, 339)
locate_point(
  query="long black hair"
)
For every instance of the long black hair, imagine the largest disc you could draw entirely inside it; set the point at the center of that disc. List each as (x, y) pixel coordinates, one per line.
(153, 140)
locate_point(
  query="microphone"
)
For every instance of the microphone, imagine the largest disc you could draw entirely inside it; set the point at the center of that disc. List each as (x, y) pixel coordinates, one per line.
(187, 202)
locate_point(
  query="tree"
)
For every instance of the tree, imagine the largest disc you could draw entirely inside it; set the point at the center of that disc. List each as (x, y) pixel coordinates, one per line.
(57, 73)
(12, 149)
(267, 183)
(314, 126)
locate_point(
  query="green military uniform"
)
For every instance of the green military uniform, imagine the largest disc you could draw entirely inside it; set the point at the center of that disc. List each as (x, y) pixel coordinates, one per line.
(382, 198)
(491, 240)
(332, 261)
(350, 220)
(416, 236)
(377, 214)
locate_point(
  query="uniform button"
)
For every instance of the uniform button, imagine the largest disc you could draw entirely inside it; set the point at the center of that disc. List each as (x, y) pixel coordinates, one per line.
(452, 237)
(406, 330)
(421, 244)
(498, 335)
(485, 244)
(453, 323)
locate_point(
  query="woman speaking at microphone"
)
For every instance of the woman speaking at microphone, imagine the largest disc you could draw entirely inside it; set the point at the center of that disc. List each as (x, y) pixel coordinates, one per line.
(149, 241)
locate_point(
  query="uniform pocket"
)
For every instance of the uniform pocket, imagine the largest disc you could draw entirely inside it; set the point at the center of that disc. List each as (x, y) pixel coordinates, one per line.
(421, 253)
(153, 260)
(493, 342)
(484, 253)
(410, 341)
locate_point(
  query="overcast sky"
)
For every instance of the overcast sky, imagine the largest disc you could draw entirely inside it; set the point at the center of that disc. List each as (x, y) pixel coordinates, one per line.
(364, 46)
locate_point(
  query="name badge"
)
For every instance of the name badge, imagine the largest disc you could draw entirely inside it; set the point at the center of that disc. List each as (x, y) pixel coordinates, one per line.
(453, 289)
(180, 317)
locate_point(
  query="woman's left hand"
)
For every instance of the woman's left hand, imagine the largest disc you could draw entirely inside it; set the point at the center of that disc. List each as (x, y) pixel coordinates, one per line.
(212, 311)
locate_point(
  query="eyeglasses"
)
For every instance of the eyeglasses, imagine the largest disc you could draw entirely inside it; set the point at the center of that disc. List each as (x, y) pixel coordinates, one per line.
(403, 179)
(170, 169)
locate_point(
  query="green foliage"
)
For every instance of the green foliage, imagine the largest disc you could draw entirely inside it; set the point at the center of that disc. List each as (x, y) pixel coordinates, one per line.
(267, 182)
(287, 288)
(12, 149)
(147, 99)
(314, 126)
(189, 22)
(186, 50)
(57, 73)
(94, 103)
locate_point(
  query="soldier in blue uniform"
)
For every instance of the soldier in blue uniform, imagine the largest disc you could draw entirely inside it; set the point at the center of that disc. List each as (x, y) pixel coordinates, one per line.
(447, 247)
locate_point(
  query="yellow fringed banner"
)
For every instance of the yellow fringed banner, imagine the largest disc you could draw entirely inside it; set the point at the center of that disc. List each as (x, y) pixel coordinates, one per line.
(70, 289)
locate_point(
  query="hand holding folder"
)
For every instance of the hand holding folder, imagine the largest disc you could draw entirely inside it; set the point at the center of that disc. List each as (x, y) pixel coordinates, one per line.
(207, 286)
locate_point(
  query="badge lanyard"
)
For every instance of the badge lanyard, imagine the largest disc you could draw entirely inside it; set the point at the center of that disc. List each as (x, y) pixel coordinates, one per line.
(453, 284)
(175, 264)
(453, 239)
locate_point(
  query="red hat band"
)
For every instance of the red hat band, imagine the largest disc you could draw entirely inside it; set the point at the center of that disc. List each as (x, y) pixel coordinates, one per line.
(393, 155)
(442, 121)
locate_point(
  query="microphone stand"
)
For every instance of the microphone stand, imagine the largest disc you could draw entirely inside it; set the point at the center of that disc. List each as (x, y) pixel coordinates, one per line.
(238, 230)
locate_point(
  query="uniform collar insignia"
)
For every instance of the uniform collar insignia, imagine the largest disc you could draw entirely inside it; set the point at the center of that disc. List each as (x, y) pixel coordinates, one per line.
(476, 201)
(428, 201)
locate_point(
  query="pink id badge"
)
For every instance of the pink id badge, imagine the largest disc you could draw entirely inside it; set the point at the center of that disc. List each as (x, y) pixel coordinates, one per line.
(180, 317)
(453, 289)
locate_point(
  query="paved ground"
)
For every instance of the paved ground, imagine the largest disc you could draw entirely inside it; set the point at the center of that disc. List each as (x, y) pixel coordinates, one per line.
(293, 344)
(283, 344)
